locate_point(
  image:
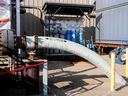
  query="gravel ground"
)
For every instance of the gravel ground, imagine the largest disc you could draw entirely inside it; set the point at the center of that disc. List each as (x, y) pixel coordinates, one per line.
(82, 79)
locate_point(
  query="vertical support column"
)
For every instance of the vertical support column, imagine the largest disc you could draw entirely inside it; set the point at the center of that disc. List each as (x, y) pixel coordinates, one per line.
(126, 70)
(99, 50)
(10, 63)
(49, 28)
(18, 17)
(112, 72)
(99, 30)
(102, 50)
(45, 79)
(18, 29)
(89, 22)
(49, 21)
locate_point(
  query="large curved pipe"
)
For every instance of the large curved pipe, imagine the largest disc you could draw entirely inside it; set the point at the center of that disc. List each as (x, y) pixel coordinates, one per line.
(91, 56)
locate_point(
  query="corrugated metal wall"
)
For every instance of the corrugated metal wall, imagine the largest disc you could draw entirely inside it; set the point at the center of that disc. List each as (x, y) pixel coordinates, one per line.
(100, 4)
(91, 1)
(112, 24)
(41, 2)
(30, 22)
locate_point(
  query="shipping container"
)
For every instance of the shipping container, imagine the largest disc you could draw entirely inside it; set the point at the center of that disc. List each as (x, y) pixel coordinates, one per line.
(103, 4)
(112, 22)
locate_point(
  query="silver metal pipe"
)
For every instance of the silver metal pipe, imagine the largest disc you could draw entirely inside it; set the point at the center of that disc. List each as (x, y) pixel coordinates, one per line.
(18, 17)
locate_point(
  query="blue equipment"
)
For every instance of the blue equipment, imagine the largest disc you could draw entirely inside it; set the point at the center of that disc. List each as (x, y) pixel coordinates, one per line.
(73, 35)
(120, 55)
(81, 38)
(68, 34)
(91, 45)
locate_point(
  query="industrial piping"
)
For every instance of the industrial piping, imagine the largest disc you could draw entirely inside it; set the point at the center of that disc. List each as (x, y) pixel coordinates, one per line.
(77, 49)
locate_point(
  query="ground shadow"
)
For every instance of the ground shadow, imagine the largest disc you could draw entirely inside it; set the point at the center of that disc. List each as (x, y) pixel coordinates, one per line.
(11, 85)
(76, 84)
(121, 87)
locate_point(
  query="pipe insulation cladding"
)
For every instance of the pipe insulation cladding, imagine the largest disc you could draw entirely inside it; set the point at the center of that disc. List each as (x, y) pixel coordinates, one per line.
(72, 47)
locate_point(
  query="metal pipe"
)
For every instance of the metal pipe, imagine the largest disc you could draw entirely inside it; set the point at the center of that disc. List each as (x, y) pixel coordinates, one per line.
(18, 17)
(18, 28)
(72, 47)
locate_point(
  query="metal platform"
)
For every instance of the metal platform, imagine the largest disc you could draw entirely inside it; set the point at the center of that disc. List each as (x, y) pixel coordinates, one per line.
(67, 9)
(53, 9)
(111, 45)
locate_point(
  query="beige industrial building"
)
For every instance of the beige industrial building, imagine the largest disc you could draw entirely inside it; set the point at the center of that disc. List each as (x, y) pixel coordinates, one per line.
(30, 21)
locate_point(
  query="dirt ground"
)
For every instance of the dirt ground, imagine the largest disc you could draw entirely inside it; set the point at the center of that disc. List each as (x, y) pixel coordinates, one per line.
(82, 79)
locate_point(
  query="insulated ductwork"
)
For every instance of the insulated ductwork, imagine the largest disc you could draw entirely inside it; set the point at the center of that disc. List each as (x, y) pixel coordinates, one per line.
(77, 49)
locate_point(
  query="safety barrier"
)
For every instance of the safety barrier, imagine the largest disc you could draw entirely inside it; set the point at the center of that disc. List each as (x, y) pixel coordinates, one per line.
(113, 70)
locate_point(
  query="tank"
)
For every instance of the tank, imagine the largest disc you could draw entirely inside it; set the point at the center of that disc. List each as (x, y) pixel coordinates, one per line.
(73, 35)
(68, 34)
(81, 36)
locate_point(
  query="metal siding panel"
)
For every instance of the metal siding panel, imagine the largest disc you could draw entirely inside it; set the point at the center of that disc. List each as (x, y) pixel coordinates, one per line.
(41, 2)
(107, 3)
(68, 1)
(97, 27)
(77, 1)
(90, 1)
(38, 3)
(113, 25)
(65, 1)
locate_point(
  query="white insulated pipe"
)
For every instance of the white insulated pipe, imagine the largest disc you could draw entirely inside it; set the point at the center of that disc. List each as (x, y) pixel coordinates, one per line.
(77, 49)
